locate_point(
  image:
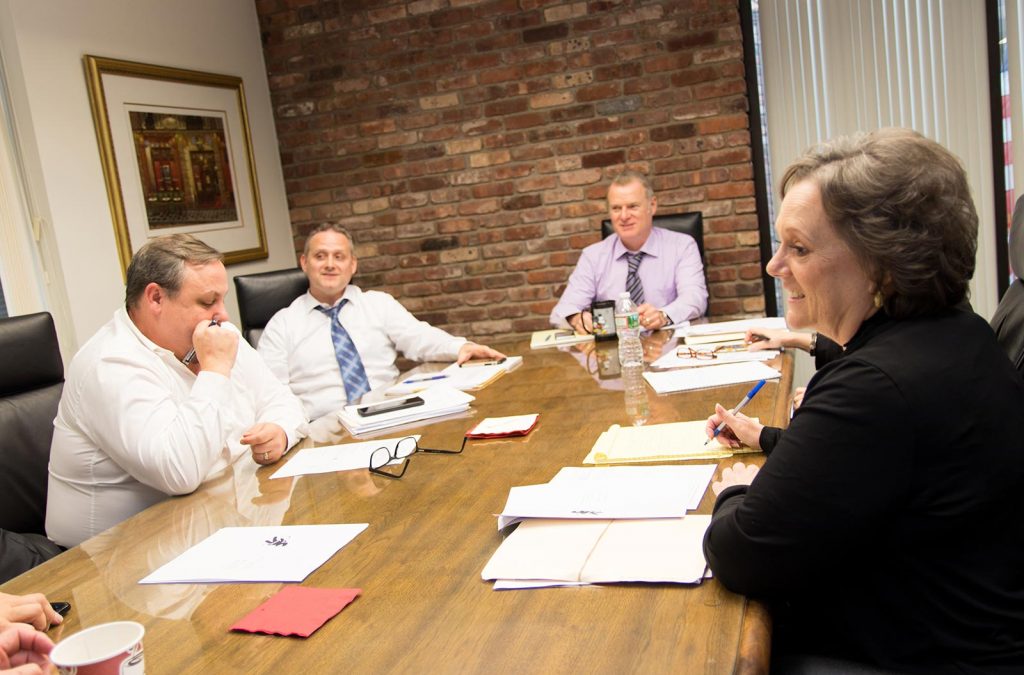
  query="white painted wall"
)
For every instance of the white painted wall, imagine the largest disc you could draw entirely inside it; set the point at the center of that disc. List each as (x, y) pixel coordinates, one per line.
(43, 42)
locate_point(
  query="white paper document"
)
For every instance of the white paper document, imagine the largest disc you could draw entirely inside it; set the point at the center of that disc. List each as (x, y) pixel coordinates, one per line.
(437, 402)
(612, 492)
(603, 551)
(657, 443)
(456, 377)
(279, 553)
(688, 379)
(689, 481)
(671, 360)
(331, 458)
(737, 326)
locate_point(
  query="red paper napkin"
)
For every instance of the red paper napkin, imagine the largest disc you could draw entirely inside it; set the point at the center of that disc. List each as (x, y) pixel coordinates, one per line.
(297, 610)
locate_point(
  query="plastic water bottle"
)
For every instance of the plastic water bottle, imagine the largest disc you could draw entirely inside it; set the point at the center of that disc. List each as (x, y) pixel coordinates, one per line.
(638, 409)
(627, 328)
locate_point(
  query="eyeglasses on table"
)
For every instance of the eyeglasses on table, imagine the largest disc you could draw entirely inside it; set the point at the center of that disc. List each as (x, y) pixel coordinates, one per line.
(708, 353)
(382, 457)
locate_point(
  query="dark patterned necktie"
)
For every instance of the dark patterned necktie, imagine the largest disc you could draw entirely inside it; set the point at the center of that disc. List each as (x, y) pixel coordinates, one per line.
(633, 285)
(353, 375)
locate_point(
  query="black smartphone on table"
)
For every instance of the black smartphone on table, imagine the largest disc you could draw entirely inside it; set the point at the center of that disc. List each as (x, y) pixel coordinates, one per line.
(482, 362)
(61, 608)
(389, 406)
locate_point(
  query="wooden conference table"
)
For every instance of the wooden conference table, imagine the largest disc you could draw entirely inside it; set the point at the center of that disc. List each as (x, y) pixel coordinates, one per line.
(424, 607)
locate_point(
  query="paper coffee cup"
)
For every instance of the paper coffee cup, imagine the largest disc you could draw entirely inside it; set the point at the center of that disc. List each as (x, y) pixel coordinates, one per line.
(107, 649)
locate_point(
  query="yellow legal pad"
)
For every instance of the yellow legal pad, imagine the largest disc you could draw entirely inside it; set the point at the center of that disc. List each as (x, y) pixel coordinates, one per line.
(657, 443)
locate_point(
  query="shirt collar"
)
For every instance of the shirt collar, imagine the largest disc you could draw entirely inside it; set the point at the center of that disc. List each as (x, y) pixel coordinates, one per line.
(649, 249)
(352, 293)
(122, 316)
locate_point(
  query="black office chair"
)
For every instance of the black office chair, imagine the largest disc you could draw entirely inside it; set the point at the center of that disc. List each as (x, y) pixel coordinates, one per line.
(261, 295)
(1008, 321)
(31, 382)
(691, 223)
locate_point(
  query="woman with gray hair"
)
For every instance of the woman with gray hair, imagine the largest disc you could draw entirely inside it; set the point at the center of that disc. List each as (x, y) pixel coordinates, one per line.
(886, 525)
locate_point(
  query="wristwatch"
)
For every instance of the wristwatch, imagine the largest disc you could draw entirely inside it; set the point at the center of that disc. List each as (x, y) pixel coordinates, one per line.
(814, 344)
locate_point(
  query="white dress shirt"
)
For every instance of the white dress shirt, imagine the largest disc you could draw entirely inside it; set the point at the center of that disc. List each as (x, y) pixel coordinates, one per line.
(135, 425)
(297, 345)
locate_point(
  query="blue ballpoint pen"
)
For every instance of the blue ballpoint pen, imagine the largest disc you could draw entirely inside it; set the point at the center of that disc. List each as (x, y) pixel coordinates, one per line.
(414, 380)
(746, 399)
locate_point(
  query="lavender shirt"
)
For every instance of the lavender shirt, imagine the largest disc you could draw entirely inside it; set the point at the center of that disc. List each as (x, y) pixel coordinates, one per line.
(671, 273)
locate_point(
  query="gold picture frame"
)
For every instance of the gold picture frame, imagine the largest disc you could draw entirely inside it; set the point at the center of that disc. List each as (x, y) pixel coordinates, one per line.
(177, 157)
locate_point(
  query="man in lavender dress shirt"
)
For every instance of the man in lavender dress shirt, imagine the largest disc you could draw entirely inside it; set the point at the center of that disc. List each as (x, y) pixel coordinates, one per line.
(670, 269)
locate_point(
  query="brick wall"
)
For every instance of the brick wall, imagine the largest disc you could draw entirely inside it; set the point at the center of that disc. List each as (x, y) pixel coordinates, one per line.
(468, 144)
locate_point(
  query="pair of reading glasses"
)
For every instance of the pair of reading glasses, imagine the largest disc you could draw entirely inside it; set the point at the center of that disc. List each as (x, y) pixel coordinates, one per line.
(707, 354)
(381, 458)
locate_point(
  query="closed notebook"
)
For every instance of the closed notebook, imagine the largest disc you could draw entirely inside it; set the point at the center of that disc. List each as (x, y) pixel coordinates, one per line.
(556, 338)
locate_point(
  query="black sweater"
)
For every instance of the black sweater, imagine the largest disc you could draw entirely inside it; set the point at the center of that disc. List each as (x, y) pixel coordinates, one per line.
(887, 524)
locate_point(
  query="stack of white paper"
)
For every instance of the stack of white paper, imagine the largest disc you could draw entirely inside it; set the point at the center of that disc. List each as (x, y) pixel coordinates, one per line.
(686, 379)
(437, 402)
(673, 360)
(604, 525)
(706, 330)
(615, 492)
(546, 552)
(456, 377)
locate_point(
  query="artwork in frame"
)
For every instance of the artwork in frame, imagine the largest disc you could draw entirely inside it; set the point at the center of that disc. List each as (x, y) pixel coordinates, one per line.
(177, 157)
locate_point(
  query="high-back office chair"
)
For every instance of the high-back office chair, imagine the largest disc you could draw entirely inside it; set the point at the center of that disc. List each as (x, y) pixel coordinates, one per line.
(691, 223)
(261, 295)
(31, 382)
(1008, 321)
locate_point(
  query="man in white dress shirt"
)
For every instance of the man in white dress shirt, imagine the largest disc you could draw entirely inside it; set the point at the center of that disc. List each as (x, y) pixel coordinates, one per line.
(300, 342)
(135, 423)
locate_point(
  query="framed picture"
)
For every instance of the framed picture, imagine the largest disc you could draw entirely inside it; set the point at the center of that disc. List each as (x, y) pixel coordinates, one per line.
(177, 157)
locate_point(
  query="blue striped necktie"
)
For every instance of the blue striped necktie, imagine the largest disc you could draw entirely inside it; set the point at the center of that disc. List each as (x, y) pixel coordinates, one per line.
(633, 285)
(353, 375)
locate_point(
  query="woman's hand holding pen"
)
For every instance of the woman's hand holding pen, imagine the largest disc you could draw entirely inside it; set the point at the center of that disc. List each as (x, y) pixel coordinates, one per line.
(758, 339)
(739, 429)
(216, 347)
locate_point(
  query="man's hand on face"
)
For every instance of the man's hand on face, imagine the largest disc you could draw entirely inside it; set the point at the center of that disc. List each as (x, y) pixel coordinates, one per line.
(216, 347)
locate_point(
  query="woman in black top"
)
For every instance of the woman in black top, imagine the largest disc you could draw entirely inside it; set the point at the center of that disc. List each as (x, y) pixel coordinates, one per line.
(886, 526)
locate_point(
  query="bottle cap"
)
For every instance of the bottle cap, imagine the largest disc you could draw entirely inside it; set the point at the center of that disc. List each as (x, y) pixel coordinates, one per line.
(623, 294)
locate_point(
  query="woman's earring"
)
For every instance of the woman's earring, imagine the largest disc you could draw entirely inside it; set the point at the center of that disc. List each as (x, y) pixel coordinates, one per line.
(879, 299)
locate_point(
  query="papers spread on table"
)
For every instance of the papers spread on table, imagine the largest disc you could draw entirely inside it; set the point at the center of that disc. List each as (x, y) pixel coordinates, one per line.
(686, 379)
(602, 551)
(615, 492)
(724, 331)
(657, 443)
(278, 553)
(437, 402)
(331, 458)
(673, 360)
(556, 338)
(469, 378)
(564, 540)
(497, 427)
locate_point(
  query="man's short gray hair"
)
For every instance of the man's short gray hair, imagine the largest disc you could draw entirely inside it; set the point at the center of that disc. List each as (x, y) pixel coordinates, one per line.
(630, 176)
(162, 261)
(328, 227)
